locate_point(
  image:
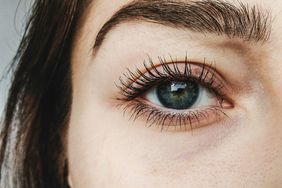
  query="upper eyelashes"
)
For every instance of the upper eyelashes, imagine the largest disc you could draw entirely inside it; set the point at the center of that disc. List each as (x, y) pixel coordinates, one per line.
(183, 94)
(136, 83)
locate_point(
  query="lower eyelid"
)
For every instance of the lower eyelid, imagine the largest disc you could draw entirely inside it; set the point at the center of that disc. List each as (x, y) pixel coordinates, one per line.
(171, 120)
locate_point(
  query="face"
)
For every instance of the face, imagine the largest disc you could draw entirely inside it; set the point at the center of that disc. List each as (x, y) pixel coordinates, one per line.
(163, 100)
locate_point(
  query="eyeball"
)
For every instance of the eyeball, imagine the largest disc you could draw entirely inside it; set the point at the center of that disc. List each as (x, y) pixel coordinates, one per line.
(181, 95)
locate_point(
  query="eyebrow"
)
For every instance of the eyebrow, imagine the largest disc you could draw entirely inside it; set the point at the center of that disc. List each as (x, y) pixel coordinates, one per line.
(207, 16)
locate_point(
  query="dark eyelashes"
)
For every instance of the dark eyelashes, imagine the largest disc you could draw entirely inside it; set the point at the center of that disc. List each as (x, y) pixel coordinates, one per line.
(134, 84)
(154, 116)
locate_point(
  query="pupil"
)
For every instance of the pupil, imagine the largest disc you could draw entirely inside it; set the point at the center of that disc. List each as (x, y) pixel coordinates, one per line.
(178, 95)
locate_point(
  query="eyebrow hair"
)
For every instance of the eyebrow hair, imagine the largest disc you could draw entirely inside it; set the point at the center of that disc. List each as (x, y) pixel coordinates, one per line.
(207, 16)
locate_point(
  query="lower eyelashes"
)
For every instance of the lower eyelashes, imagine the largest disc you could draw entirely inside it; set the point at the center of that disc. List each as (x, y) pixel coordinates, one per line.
(182, 95)
(173, 120)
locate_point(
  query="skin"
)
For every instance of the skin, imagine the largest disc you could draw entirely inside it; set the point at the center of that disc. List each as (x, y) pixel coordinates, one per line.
(106, 149)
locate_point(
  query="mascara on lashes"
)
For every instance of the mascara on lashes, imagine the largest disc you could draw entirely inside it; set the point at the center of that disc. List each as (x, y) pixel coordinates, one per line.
(133, 85)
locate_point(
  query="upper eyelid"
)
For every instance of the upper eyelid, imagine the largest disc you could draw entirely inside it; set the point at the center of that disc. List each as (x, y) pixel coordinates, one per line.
(131, 78)
(172, 67)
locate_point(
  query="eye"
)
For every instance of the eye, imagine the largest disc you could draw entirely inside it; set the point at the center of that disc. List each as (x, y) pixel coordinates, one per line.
(178, 94)
(181, 95)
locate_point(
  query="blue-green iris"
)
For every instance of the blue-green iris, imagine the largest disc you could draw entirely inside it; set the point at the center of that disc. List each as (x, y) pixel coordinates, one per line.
(178, 94)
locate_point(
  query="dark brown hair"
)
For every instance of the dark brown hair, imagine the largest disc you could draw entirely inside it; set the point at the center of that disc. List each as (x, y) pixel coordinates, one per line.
(39, 102)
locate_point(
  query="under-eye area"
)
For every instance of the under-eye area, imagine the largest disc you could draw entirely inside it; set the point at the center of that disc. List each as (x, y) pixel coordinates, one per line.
(178, 95)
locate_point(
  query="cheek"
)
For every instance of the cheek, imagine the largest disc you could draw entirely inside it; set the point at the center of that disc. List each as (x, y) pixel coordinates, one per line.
(103, 148)
(107, 150)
